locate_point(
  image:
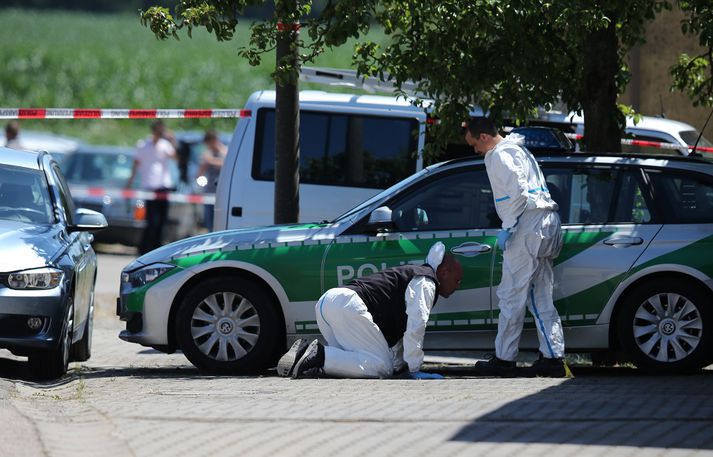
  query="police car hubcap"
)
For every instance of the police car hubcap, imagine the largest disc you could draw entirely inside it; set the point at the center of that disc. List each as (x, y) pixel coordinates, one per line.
(667, 327)
(225, 326)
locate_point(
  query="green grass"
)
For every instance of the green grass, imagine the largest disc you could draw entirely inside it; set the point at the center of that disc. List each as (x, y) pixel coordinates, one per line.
(78, 60)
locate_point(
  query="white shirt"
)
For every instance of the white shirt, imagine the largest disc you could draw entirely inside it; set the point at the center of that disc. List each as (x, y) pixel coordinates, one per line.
(155, 163)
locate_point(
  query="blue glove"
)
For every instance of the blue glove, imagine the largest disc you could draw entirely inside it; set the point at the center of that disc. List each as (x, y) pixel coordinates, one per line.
(422, 375)
(503, 236)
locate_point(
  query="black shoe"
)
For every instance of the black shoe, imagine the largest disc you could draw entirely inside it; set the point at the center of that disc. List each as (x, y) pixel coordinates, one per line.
(495, 367)
(288, 361)
(547, 368)
(311, 364)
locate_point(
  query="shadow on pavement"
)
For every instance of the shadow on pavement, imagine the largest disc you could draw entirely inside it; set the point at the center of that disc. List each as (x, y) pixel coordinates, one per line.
(608, 407)
(14, 370)
(176, 372)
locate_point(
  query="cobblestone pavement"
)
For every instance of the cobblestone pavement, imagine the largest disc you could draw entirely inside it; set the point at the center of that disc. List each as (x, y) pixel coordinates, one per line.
(133, 401)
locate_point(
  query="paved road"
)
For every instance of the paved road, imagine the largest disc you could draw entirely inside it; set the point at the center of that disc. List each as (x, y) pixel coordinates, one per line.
(132, 401)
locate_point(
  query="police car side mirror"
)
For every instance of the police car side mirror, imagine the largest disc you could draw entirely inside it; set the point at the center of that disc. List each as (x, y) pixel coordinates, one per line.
(380, 220)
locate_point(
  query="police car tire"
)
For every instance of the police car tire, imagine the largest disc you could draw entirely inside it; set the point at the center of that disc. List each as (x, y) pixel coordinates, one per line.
(260, 356)
(696, 295)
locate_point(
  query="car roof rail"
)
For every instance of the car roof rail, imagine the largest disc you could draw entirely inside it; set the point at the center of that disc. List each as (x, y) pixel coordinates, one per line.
(350, 78)
(560, 155)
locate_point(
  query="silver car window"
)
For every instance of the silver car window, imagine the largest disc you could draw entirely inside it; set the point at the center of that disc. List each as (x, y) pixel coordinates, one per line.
(24, 196)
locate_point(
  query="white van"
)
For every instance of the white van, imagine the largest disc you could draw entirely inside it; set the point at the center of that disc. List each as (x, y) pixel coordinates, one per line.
(351, 148)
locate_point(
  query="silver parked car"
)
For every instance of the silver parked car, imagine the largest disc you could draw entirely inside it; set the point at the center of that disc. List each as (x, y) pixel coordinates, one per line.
(48, 267)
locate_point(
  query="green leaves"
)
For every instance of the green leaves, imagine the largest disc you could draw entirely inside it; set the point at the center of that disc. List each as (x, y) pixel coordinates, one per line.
(160, 21)
(694, 75)
(509, 57)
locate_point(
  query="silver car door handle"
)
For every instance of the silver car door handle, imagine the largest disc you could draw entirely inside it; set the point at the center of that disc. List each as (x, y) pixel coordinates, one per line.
(623, 240)
(470, 249)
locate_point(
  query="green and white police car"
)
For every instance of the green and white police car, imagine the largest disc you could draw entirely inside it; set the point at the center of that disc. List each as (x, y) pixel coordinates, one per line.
(634, 279)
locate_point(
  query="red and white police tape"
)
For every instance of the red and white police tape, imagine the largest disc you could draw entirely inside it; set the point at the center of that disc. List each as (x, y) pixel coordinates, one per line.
(82, 113)
(93, 191)
(646, 144)
(79, 113)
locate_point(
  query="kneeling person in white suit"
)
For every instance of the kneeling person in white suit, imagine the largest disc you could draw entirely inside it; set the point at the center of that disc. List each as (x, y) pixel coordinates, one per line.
(370, 321)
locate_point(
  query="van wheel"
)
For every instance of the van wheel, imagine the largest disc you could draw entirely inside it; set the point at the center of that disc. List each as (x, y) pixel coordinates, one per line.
(666, 326)
(228, 325)
(52, 364)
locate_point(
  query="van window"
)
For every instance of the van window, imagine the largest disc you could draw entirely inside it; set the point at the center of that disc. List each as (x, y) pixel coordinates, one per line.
(342, 149)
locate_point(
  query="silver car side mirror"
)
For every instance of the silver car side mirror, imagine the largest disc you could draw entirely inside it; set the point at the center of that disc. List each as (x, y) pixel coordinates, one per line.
(86, 220)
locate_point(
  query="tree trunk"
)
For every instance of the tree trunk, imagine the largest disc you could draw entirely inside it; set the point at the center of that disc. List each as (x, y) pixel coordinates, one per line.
(603, 122)
(287, 120)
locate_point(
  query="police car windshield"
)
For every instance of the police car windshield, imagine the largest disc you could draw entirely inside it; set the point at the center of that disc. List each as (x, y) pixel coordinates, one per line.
(381, 195)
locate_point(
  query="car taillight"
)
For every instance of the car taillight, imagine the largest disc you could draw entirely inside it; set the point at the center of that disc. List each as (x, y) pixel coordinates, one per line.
(139, 211)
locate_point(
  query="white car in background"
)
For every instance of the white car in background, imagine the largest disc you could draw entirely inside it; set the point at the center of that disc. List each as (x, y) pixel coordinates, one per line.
(648, 128)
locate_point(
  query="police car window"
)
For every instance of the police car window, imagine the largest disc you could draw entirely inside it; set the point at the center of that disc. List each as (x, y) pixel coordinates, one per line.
(342, 149)
(630, 204)
(584, 195)
(458, 201)
(684, 198)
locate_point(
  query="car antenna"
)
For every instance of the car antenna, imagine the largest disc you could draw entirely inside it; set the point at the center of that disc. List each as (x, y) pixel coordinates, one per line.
(663, 113)
(693, 152)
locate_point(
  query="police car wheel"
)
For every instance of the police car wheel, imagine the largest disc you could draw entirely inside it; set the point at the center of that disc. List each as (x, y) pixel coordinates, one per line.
(666, 326)
(227, 325)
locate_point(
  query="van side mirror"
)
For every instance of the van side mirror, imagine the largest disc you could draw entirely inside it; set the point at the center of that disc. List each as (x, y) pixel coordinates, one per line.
(380, 220)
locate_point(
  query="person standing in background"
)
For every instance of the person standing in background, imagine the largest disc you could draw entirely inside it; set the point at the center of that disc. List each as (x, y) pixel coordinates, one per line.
(209, 171)
(152, 163)
(12, 134)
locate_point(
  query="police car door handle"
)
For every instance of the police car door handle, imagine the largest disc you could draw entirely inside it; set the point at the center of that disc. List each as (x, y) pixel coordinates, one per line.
(624, 241)
(470, 249)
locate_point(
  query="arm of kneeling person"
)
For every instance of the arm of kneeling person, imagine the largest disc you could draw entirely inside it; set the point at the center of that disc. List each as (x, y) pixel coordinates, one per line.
(419, 297)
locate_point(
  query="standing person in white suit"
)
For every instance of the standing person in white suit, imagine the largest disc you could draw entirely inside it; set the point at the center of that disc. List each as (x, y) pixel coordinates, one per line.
(374, 326)
(530, 238)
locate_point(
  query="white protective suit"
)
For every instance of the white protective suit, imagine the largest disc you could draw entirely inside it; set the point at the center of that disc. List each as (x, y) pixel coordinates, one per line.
(523, 203)
(356, 348)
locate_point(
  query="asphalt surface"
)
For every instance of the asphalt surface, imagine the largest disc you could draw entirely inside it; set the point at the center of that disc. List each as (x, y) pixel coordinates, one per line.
(133, 401)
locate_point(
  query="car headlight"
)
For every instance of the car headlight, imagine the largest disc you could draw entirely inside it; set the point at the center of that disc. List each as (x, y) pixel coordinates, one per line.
(147, 274)
(40, 278)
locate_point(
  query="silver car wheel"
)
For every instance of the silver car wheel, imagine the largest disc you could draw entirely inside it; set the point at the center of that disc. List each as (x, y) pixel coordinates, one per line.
(667, 327)
(225, 326)
(67, 336)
